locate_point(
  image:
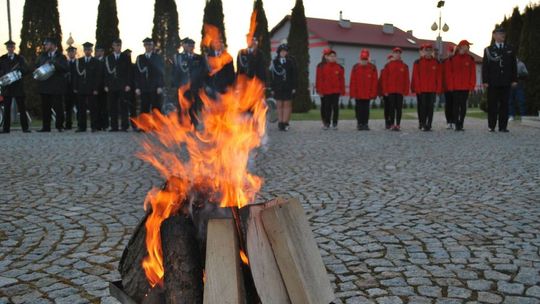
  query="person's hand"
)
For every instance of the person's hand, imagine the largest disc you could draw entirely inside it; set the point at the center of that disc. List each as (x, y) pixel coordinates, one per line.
(127, 89)
(75, 91)
(514, 84)
(294, 91)
(159, 91)
(106, 89)
(95, 92)
(138, 91)
(486, 85)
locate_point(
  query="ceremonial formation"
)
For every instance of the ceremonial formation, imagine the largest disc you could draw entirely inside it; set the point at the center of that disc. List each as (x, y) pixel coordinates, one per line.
(112, 89)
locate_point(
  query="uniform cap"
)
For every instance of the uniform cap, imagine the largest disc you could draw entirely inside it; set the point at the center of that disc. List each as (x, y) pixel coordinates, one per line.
(9, 42)
(88, 45)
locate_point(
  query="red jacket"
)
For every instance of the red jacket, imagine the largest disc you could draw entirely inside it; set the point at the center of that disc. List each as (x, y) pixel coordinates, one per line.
(463, 72)
(427, 76)
(330, 79)
(363, 83)
(395, 79)
(447, 75)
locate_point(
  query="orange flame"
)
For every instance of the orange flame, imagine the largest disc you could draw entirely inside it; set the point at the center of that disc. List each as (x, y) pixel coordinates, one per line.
(214, 158)
(252, 26)
(211, 36)
(244, 257)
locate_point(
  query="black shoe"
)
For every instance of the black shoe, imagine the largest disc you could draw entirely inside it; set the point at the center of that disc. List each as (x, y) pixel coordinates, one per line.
(366, 128)
(44, 130)
(113, 130)
(95, 130)
(491, 130)
(124, 130)
(80, 130)
(4, 132)
(60, 130)
(68, 128)
(27, 131)
(504, 131)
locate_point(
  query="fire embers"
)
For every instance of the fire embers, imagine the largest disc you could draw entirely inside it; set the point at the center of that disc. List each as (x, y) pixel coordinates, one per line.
(213, 157)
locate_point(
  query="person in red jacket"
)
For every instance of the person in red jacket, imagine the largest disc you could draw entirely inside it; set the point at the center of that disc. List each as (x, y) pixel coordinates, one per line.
(330, 85)
(448, 90)
(395, 85)
(426, 83)
(363, 88)
(463, 81)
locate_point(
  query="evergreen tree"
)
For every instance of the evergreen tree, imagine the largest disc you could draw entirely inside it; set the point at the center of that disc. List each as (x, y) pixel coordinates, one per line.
(529, 44)
(165, 31)
(261, 31)
(107, 24)
(213, 14)
(40, 20)
(299, 50)
(513, 32)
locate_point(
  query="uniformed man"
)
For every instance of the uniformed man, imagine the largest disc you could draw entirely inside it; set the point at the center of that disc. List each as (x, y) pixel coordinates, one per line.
(149, 82)
(250, 61)
(117, 80)
(88, 75)
(53, 88)
(190, 68)
(221, 74)
(499, 74)
(70, 99)
(101, 99)
(132, 100)
(11, 62)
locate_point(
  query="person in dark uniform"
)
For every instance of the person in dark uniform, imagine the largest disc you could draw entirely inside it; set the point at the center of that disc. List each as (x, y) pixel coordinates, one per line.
(283, 84)
(250, 61)
(101, 99)
(149, 71)
(117, 79)
(11, 62)
(221, 73)
(70, 99)
(190, 68)
(53, 88)
(132, 100)
(88, 75)
(499, 75)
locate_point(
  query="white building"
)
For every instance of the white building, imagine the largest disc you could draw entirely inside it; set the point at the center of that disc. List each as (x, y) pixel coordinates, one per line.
(348, 38)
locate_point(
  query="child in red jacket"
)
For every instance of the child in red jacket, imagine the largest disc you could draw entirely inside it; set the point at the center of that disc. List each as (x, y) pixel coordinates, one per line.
(427, 83)
(330, 85)
(395, 85)
(463, 81)
(363, 88)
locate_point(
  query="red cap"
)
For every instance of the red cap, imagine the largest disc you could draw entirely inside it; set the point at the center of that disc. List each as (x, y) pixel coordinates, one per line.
(464, 42)
(426, 46)
(364, 54)
(396, 50)
(328, 51)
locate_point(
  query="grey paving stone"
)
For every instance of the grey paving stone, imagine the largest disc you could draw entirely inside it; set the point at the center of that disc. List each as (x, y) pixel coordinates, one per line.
(510, 288)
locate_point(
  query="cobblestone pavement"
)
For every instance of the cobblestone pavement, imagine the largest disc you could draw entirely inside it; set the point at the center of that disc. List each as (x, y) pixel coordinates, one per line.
(409, 217)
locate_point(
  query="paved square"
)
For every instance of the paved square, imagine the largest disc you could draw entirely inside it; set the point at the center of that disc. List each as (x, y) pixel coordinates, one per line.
(409, 217)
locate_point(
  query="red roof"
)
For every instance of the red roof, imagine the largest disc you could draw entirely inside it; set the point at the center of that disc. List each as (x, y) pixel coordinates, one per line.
(361, 34)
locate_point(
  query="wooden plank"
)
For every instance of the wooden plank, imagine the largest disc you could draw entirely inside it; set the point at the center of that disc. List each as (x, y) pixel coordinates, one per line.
(264, 268)
(297, 254)
(224, 281)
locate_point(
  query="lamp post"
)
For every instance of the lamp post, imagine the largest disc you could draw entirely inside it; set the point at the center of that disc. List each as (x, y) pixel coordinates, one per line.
(9, 18)
(440, 27)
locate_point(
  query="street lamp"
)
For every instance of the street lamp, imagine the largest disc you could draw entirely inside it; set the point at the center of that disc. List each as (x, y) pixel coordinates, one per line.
(445, 28)
(9, 18)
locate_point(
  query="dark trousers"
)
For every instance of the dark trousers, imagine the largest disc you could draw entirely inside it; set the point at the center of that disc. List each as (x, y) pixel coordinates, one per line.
(426, 101)
(103, 111)
(386, 111)
(460, 107)
(7, 112)
(87, 102)
(70, 100)
(330, 109)
(118, 106)
(449, 100)
(195, 107)
(517, 95)
(150, 101)
(362, 111)
(497, 98)
(395, 108)
(132, 107)
(55, 102)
